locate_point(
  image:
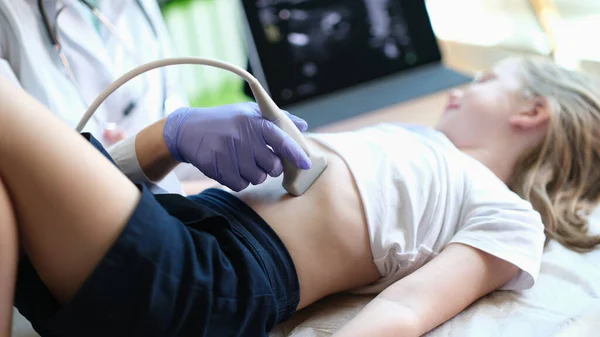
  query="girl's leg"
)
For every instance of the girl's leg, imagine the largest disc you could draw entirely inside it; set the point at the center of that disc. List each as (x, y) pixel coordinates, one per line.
(8, 261)
(70, 202)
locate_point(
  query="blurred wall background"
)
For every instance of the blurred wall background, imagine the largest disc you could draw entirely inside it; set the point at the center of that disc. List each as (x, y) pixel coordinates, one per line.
(213, 29)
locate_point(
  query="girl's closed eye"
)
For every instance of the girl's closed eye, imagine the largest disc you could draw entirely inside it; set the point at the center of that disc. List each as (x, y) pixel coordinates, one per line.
(477, 77)
(482, 76)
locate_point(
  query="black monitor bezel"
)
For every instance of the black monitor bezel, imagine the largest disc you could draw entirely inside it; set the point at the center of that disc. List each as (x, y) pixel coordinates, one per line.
(418, 23)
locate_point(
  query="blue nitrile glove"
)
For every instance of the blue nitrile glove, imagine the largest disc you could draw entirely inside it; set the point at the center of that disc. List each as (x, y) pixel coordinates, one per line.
(229, 143)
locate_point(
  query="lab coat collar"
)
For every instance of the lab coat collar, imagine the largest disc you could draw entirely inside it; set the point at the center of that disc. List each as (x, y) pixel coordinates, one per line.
(78, 32)
(111, 8)
(51, 8)
(75, 27)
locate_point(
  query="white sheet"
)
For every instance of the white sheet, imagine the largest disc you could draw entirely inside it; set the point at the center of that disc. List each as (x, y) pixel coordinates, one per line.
(569, 284)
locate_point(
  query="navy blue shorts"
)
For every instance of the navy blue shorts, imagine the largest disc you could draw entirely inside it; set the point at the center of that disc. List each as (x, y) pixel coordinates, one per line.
(205, 265)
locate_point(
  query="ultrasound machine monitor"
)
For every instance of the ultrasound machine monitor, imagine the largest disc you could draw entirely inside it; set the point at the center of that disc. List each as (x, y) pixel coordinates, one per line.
(328, 60)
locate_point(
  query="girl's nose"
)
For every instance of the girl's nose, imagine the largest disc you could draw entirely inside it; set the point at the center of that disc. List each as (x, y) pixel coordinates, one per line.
(454, 96)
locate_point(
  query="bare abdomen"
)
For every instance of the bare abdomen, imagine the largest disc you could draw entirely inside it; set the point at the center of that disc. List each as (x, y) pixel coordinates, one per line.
(324, 230)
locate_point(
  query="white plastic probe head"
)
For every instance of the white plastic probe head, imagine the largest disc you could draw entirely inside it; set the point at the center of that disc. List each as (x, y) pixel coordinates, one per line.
(297, 181)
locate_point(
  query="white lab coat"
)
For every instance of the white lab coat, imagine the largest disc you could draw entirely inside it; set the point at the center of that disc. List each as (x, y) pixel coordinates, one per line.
(97, 58)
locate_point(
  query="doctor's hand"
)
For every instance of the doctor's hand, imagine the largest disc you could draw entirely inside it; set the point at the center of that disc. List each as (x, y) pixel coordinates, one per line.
(230, 144)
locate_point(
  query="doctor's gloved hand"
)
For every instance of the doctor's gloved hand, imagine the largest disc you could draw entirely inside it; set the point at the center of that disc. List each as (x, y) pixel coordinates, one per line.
(230, 143)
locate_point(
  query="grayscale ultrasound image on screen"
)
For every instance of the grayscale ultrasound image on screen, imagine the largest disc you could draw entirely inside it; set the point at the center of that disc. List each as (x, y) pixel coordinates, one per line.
(311, 47)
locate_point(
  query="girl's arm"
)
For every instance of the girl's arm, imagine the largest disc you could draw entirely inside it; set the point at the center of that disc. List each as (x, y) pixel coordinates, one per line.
(431, 295)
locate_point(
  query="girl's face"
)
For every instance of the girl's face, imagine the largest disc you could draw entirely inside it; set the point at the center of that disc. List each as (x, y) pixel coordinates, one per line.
(482, 110)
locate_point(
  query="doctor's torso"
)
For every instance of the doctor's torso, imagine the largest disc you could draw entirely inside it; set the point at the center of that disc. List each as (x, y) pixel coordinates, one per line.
(97, 57)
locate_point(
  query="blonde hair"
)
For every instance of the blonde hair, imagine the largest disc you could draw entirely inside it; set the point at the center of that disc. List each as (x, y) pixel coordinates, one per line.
(561, 176)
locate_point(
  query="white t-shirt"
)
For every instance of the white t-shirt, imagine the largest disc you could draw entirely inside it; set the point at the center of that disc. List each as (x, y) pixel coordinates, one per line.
(421, 193)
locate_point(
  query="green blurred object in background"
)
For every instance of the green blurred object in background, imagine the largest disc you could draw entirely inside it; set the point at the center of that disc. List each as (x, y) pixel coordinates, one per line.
(211, 29)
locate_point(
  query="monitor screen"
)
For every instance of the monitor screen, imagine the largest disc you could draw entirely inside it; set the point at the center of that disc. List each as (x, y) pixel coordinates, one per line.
(309, 48)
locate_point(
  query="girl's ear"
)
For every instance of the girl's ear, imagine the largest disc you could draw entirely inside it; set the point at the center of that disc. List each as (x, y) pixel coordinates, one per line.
(533, 115)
